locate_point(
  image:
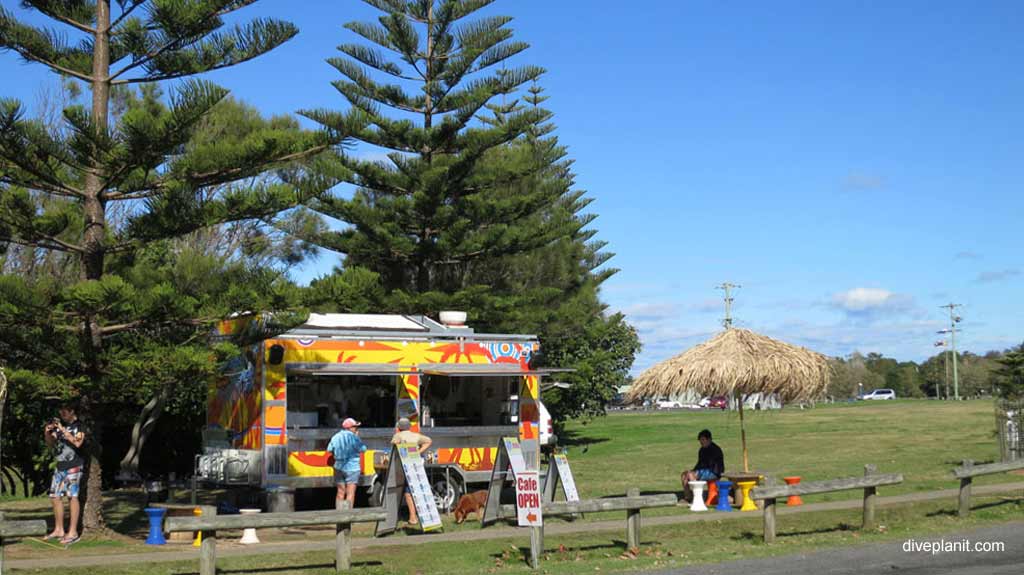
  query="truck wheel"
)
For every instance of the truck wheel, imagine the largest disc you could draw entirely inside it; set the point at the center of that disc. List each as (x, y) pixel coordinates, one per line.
(446, 492)
(377, 494)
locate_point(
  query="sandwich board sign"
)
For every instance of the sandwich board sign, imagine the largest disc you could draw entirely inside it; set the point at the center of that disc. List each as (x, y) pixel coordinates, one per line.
(558, 470)
(527, 484)
(405, 469)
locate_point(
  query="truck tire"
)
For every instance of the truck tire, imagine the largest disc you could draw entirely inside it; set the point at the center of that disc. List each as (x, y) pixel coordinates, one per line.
(447, 491)
(377, 493)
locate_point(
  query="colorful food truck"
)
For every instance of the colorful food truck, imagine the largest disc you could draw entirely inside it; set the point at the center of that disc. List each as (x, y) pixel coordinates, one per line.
(271, 414)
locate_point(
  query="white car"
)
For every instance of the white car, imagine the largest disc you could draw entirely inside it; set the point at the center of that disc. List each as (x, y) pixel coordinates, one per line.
(880, 394)
(668, 404)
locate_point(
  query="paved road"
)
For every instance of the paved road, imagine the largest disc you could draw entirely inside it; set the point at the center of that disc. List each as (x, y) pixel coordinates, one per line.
(889, 558)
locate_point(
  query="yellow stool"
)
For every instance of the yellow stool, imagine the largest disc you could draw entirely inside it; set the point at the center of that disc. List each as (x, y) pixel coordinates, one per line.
(198, 541)
(748, 503)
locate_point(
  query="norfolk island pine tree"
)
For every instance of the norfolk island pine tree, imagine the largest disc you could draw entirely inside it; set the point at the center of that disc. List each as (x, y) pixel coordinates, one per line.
(142, 159)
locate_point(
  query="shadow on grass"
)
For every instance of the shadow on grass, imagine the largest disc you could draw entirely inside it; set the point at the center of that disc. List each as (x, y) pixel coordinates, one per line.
(752, 536)
(571, 438)
(678, 494)
(993, 504)
(524, 552)
(355, 564)
(960, 461)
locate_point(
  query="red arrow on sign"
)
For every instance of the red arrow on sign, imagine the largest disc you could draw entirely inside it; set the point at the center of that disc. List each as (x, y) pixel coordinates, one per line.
(531, 517)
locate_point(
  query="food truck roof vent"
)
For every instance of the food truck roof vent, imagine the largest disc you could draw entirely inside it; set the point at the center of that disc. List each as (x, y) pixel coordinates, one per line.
(453, 318)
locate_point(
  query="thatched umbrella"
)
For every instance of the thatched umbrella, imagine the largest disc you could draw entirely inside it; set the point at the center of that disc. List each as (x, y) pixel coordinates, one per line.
(738, 362)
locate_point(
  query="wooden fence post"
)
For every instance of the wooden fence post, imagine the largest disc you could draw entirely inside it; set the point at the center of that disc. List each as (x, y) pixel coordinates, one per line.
(769, 520)
(965, 490)
(633, 522)
(536, 546)
(869, 499)
(342, 541)
(208, 554)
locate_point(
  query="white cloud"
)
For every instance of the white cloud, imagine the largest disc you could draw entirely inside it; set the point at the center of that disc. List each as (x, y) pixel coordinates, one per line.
(996, 276)
(863, 181)
(967, 255)
(863, 301)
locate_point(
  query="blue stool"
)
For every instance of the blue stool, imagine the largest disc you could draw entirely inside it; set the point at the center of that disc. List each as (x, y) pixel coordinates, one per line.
(723, 495)
(156, 525)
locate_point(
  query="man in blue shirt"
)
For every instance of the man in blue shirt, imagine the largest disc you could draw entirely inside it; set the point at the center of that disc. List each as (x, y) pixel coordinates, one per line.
(346, 447)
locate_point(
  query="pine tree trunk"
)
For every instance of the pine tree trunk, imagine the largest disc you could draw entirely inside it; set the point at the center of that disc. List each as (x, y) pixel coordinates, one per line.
(423, 283)
(3, 401)
(92, 263)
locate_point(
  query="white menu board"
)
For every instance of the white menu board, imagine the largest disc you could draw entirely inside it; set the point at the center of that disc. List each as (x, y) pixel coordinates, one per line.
(565, 474)
(419, 486)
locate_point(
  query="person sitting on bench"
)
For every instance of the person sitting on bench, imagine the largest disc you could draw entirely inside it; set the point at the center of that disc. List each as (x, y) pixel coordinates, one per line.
(710, 464)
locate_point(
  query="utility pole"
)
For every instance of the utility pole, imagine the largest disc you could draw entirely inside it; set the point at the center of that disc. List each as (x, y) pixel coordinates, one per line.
(727, 322)
(953, 320)
(944, 344)
(945, 367)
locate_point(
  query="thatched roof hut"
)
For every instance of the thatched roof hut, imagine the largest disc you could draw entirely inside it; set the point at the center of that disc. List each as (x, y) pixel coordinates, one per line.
(738, 362)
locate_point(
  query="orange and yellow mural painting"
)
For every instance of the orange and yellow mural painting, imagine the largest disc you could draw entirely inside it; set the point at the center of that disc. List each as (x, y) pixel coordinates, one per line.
(234, 402)
(409, 400)
(469, 458)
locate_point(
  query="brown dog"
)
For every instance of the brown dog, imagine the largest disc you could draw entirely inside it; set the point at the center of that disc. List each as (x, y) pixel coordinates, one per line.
(470, 503)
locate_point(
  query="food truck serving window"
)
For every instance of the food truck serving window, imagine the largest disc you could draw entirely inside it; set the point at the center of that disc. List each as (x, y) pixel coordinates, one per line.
(325, 400)
(470, 400)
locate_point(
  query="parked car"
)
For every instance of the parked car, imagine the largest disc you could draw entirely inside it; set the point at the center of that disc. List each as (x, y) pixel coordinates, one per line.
(880, 394)
(718, 402)
(668, 404)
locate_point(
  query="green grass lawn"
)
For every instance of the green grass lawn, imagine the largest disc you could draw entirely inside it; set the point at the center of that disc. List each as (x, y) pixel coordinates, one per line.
(922, 440)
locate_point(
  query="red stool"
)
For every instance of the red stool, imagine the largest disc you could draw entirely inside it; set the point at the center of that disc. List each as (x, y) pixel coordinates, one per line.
(712, 493)
(793, 499)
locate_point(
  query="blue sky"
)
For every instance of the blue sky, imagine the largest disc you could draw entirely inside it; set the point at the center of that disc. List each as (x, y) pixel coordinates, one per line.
(852, 164)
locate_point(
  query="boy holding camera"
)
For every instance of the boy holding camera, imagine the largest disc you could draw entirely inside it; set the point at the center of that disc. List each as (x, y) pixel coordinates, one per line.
(65, 436)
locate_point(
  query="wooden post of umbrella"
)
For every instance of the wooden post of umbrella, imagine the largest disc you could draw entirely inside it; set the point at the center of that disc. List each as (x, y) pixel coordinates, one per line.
(743, 435)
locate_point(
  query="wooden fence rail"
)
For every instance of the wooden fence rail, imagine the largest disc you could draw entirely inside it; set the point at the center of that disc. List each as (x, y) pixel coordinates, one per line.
(342, 518)
(968, 471)
(9, 529)
(632, 503)
(869, 483)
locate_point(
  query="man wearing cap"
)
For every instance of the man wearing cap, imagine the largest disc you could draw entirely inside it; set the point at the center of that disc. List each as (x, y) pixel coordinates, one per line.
(346, 447)
(405, 434)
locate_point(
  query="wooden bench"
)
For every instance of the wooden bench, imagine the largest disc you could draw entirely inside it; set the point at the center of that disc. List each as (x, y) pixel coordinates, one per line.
(968, 471)
(342, 518)
(869, 483)
(27, 528)
(632, 503)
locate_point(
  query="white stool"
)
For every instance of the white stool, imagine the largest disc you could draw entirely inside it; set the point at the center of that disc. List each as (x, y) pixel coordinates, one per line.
(249, 535)
(698, 496)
